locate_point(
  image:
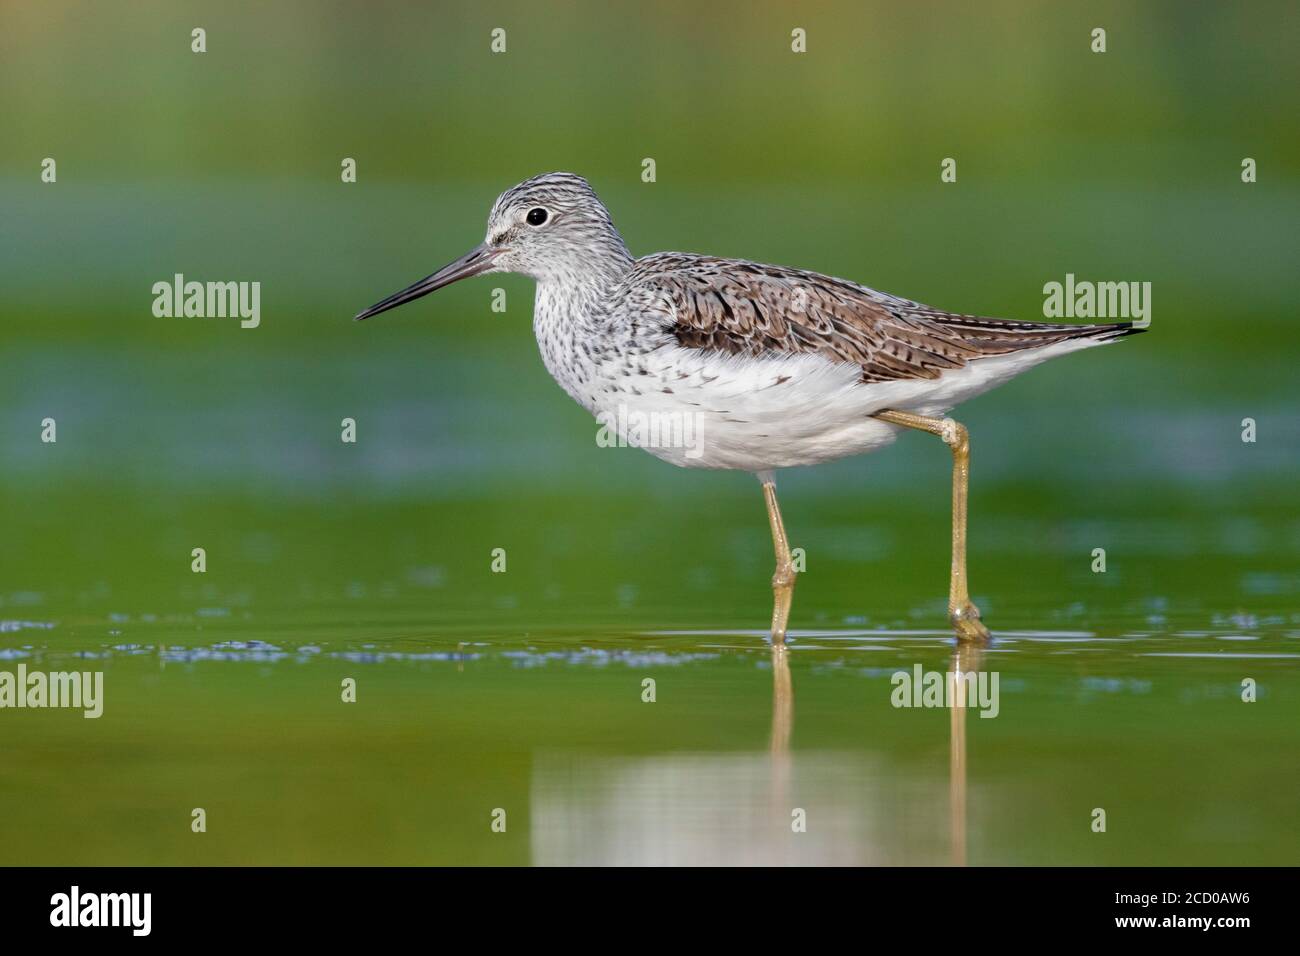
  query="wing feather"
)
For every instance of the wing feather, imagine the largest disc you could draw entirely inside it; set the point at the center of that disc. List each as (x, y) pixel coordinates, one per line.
(745, 308)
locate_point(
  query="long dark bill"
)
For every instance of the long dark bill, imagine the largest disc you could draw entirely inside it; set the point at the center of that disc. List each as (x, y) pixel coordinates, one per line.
(476, 261)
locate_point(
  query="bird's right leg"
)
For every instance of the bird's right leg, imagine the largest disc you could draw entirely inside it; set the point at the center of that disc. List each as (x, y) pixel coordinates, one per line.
(964, 615)
(783, 578)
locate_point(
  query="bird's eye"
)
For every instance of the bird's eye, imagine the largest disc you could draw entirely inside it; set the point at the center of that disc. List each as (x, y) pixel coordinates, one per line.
(536, 216)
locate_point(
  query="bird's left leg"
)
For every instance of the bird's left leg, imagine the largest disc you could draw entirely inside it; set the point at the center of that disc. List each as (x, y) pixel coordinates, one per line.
(964, 616)
(783, 578)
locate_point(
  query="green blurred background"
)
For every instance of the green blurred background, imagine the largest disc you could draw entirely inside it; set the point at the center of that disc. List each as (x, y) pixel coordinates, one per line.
(181, 433)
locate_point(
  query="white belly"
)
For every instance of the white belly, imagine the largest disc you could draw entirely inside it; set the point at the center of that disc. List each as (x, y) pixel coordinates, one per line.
(706, 410)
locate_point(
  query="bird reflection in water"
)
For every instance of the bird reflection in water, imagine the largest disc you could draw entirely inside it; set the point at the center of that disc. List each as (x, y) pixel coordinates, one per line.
(767, 806)
(966, 661)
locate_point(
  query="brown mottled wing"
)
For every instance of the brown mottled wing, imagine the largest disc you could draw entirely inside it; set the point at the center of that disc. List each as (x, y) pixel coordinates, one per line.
(739, 307)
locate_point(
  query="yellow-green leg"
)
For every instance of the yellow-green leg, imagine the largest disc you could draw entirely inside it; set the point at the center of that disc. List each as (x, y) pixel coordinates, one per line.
(783, 578)
(964, 616)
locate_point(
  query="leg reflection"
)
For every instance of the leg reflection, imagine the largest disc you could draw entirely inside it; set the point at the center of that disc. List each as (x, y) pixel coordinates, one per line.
(782, 700)
(965, 660)
(779, 803)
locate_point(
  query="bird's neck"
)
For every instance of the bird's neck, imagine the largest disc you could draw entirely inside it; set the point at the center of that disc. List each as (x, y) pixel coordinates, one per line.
(566, 308)
(571, 319)
(578, 296)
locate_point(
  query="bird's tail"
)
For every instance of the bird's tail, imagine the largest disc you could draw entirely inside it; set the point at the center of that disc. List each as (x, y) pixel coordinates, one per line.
(1109, 331)
(999, 336)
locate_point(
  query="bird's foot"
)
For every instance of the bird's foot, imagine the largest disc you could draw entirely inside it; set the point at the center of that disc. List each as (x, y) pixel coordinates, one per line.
(966, 623)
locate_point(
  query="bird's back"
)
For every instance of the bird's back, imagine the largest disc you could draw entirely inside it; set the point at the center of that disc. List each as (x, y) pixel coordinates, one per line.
(738, 307)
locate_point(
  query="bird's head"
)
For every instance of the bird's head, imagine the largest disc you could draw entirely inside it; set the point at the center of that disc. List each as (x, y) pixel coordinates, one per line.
(552, 228)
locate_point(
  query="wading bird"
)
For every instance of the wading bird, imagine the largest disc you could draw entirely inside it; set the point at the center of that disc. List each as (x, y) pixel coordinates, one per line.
(774, 367)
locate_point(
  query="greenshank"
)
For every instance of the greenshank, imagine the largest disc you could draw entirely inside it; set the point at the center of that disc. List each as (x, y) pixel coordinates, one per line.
(767, 367)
